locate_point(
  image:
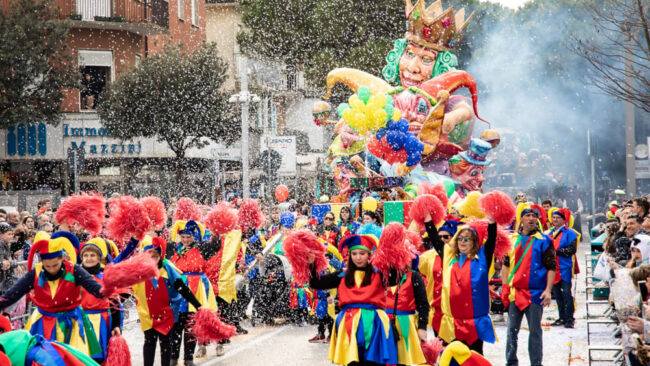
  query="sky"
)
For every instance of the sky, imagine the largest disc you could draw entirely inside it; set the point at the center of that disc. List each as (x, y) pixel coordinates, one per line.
(510, 3)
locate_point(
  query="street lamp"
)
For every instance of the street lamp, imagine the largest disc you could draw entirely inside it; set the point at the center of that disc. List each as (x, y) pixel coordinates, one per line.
(244, 97)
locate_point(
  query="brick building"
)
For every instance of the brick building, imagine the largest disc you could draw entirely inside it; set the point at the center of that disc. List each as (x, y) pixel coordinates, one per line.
(107, 38)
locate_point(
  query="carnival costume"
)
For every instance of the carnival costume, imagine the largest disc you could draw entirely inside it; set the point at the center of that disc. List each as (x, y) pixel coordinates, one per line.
(465, 295)
(58, 315)
(159, 303)
(362, 330)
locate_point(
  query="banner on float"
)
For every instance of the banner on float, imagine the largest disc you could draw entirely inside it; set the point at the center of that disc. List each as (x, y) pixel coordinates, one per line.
(397, 211)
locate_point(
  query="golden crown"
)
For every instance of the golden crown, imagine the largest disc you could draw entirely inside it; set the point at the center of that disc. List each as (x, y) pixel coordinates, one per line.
(433, 27)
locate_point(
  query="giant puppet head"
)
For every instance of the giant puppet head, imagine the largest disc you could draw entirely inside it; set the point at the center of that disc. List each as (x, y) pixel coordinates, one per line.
(425, 50)
(468, 166)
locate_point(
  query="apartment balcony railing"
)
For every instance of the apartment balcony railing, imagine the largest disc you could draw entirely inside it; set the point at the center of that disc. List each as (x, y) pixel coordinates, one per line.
(154, 12)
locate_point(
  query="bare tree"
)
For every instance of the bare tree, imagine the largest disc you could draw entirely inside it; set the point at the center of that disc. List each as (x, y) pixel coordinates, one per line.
(620, 54)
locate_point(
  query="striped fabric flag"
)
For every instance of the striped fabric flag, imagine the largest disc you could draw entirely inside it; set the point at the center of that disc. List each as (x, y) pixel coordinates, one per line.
(319, 210)
(397, 211)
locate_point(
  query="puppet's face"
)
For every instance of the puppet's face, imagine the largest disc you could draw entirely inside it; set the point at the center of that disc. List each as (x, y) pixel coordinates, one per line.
(416, 65)
(472, 178)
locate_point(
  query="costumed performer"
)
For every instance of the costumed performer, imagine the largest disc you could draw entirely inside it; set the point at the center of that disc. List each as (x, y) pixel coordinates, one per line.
(324, 307)
(159, 302)
(466, 263)
(104, 314)
(565, 242)
(362, 333)
(55, 284)
(190, 257)
(408, 308)
(528, 274)
(430, 265)
(347, 224)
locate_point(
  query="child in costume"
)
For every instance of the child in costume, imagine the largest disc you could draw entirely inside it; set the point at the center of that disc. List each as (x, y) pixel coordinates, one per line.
(104, 314)
(408, 307)
(191, 258)
(465, 296)
(362, 332)
(159, 302)
(323, 310)
(55, 284)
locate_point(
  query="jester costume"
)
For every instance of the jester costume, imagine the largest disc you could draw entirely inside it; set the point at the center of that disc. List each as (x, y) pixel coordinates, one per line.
(408, 308)
(565, 243)
(529, 263)
(57, 297)
(22, 348)
(159, 302)
(362, 330)
(324, 311)
(104, 314)
(430, 267)
(465, 294)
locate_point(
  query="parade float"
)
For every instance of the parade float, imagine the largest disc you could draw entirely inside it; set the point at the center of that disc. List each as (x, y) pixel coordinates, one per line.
(409, 126)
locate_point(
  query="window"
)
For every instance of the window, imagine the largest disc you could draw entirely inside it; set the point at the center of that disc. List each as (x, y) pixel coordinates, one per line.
(96, 72)
(195, 12)
(181, 9)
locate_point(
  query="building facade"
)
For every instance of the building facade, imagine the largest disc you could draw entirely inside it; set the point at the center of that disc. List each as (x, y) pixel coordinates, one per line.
(107, 38)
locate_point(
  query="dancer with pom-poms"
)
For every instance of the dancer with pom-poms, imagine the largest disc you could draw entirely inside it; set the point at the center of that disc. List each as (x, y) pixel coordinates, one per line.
(191, 257)
(466, 271)
(406, 302)
(362, 298)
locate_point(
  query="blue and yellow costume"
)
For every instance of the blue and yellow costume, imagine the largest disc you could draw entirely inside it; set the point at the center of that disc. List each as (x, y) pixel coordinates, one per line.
(103, 314)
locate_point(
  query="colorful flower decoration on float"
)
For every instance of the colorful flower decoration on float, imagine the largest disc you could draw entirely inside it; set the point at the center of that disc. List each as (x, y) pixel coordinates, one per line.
(367, 112)
(395, 144)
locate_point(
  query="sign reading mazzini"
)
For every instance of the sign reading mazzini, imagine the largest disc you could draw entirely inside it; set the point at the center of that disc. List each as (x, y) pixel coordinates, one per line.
(104, 148)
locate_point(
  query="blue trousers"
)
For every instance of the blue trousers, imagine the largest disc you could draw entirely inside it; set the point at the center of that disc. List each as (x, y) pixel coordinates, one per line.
(533, 315)
(564, 299)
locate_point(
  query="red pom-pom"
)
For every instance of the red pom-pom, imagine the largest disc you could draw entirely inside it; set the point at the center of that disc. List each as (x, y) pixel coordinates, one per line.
(503, 244)
(432, 350)
(438, 190)
(118, 352)
(498, 206)
(424, 205)
(207, 327)
(221, 219)
(393, 251)
(156, 211)
(88, 210)
(250, 215)
(186, 209)
(136, 269)
(298, 246)
(129, 218)
(415, 239)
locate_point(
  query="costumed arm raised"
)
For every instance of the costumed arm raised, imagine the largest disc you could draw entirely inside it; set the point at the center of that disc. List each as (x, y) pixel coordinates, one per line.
(433, 241)
(128, 250)
(18, 290)
(490, 242)
(84, 279)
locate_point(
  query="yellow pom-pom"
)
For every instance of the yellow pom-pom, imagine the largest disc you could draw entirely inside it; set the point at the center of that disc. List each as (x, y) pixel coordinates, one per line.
(397, 115)
(470, 207)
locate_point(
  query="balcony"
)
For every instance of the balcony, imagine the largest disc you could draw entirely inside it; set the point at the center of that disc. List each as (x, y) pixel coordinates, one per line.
(141, 17)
